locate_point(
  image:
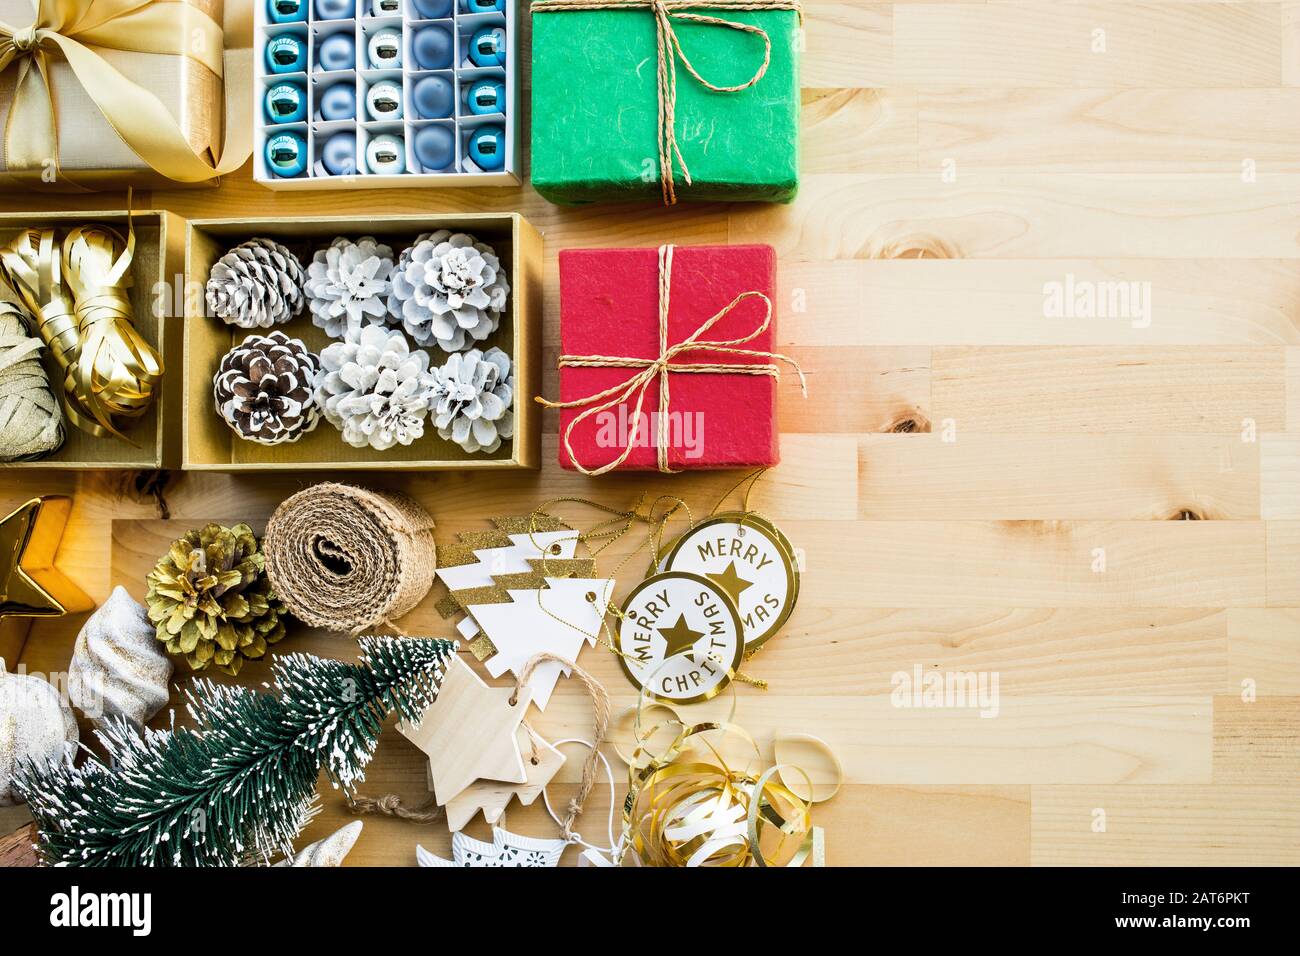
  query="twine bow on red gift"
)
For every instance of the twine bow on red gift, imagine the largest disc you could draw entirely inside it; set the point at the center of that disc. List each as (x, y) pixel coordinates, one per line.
(663, 366)
(670, 51)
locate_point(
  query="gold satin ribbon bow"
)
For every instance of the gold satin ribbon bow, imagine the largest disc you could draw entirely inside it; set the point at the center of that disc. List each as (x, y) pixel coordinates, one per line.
(670, 51)
(75, 30)
(663, 366)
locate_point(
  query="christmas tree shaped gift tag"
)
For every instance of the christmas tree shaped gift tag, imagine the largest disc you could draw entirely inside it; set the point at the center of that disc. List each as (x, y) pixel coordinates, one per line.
(559, 619)
(541, 763)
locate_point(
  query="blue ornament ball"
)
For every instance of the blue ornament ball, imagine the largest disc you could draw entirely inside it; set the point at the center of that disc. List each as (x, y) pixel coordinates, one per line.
(337, 102)
(487, 47)
(386, 155)
(338, 51)
(487, 147)
(385, 49)
(433, 97)
(335, 9)
(431, 46)
(286, 155)
(435, 147)
(384, 101)
(286, 53)
(485, 6)
(339, 154)
(385, 8)
(432, 9)
(487, 96)
(286, 103)
(286, 11)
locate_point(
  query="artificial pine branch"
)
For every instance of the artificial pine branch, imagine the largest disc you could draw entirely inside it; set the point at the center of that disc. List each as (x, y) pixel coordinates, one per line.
(241, 784)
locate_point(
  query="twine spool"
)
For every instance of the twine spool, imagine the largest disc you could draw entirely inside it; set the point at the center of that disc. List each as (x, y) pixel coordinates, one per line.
(347, 559)
(31, 424)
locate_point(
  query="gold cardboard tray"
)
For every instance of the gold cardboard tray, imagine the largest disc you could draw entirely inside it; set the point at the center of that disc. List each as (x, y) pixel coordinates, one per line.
(210, 445)
(156, 274)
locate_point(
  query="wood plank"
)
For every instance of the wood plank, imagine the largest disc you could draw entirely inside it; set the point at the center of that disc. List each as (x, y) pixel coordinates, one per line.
(922, 563)
(1256, 741)
(1235, 131)
(1264, 649)
(848, 45)
(1116, 389)
(1030, 215)
(1284, 563)
(1075, 477)
(1004, 302)
(1240, 825)
(1293, 389)
(858, 131)
(1017, 44)
(1279, 476)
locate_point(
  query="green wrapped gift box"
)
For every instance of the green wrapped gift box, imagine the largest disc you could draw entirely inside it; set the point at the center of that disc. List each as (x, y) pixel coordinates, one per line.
(597, 93)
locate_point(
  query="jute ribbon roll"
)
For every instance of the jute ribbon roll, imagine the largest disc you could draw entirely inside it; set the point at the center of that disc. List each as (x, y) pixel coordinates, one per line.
(670, 51)
(31, 424)
(662, 366)
(347, 559)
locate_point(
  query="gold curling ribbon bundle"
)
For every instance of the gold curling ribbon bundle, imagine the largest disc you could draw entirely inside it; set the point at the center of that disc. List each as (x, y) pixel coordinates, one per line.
(77, 292)
(348, 559)
(75, 31)
(670, 50)
(660, 368)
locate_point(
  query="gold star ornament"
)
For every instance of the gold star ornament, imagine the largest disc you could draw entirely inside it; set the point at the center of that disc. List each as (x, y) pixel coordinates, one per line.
(30, 585)
(680, 639)
(731, 582)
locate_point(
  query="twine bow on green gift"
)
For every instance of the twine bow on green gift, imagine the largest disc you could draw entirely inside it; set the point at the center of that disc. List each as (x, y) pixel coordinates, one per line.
(670, 51)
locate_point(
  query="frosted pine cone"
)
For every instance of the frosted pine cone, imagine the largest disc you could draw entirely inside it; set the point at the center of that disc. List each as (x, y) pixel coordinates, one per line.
(474, 399)
(257, 284)
(450, 289)
(264, 389)
(374, 389)
(348, 283)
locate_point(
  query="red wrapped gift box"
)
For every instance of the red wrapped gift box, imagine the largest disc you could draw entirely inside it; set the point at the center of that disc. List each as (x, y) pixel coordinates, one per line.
(610, 310)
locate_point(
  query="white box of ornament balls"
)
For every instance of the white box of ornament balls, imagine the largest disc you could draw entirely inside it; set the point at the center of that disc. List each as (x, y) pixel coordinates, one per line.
(354, 94)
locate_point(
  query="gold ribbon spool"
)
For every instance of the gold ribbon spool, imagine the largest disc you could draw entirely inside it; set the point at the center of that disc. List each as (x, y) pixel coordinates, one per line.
(669, 50)
(75, 30)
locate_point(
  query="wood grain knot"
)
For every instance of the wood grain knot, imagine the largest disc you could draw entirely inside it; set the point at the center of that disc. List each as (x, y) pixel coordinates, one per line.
(911, 422)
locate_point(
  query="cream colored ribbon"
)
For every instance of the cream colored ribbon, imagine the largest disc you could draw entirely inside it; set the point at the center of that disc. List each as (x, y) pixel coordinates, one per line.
(670, 51)
(75, 30)
(661, 367)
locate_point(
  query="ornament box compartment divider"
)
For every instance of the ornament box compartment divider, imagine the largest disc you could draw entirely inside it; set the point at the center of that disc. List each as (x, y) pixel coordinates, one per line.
(210, 445)
(156, 285)
(461, 23)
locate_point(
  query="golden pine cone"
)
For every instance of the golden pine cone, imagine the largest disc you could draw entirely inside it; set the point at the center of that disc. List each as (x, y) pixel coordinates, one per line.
(212, 601)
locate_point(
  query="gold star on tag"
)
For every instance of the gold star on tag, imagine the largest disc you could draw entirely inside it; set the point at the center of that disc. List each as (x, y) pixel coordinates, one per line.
(680, 639)
(731, 582)
(29, 584)
(469, 733)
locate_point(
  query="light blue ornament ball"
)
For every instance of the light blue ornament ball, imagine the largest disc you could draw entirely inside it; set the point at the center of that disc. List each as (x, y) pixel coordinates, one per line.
(385, 50)
(337, 102)
(435, 147)
(386, 155)
(338, 51)
(487, 47)
(433, 97)
(487, 147)
(485, 6)
(487, 96)
(432, 9)
(384, 101)
(286, 53)
(286, 11)
(432, 47)
(385, 8)
(286, 155)
(339, 154)
(335, 9)
(286, 103)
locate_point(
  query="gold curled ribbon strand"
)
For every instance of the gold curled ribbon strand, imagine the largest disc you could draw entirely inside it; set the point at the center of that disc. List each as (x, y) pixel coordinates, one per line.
(669, 51)
(663, 366)
(76, 30)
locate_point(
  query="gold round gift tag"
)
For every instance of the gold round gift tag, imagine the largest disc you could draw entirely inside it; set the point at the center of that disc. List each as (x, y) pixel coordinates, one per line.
(749, 558)
(679, 637)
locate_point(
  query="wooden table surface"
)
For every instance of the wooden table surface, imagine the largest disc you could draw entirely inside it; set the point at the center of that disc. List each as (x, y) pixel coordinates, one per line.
(978, 484)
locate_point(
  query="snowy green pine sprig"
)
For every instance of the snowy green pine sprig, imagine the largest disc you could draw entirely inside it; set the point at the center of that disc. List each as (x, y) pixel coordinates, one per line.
(240, 785)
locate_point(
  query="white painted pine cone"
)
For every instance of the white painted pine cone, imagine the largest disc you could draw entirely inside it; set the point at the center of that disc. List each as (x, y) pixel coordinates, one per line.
(374, 389)
(118, 667)
(348, 285)
(473, 399)
(448, 288)
(35, 724)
